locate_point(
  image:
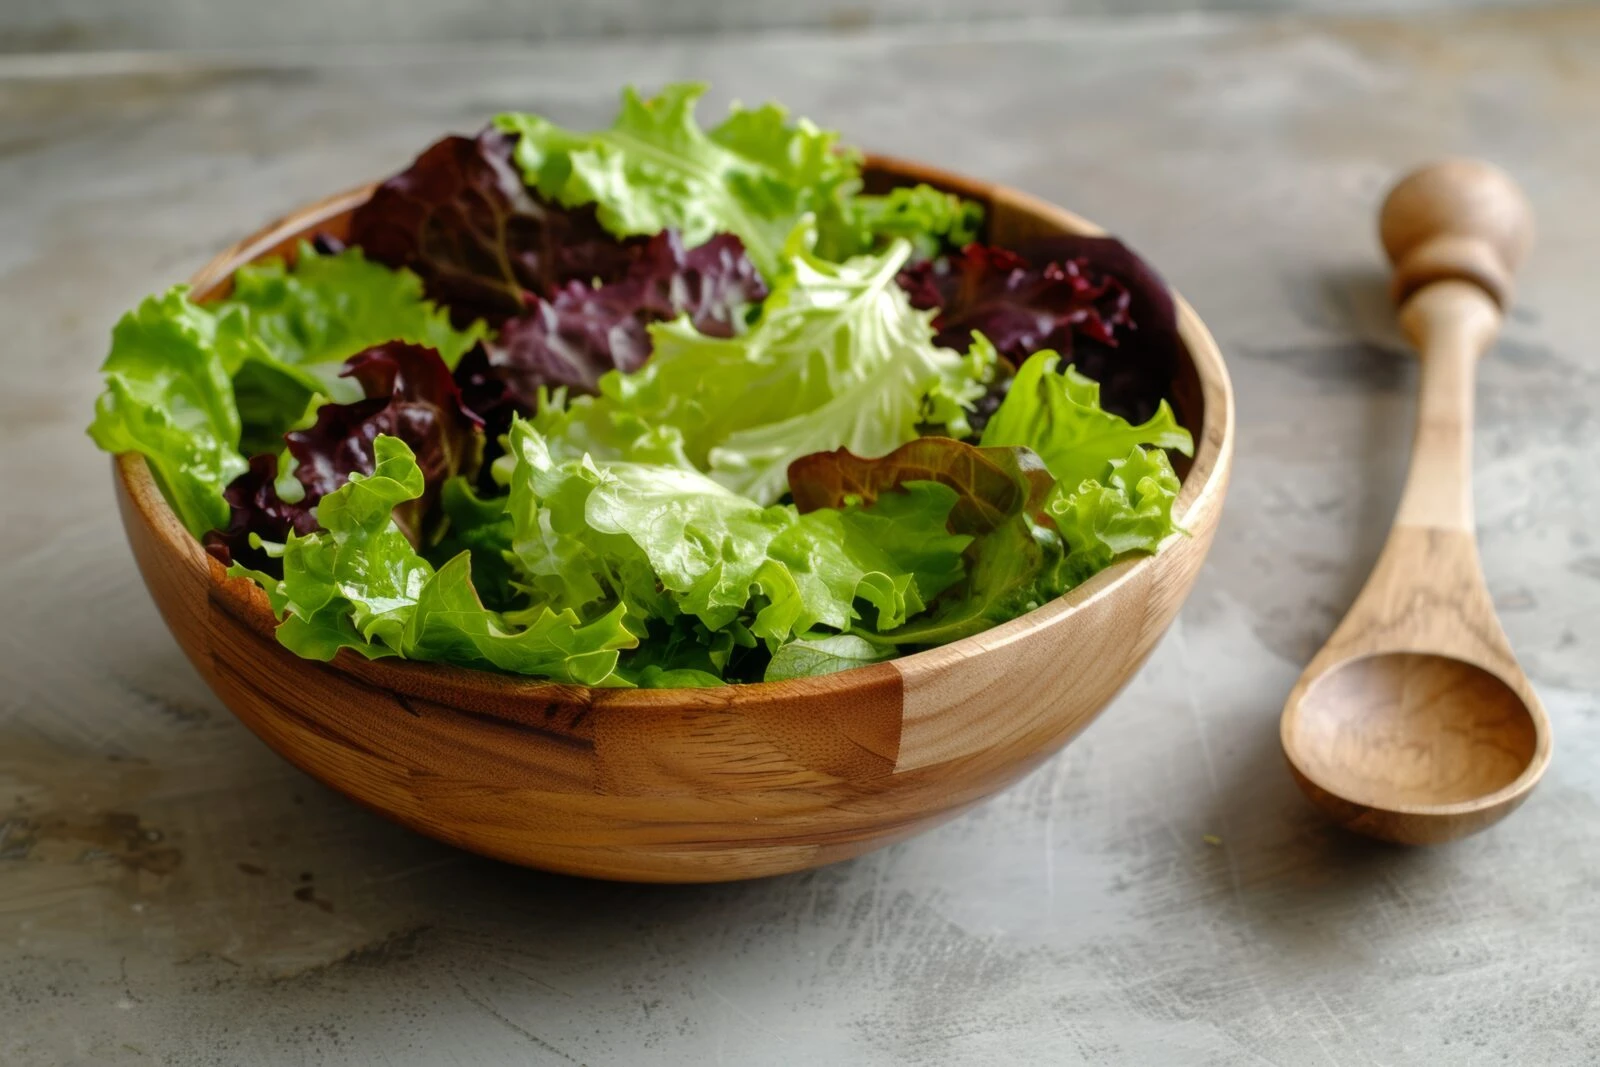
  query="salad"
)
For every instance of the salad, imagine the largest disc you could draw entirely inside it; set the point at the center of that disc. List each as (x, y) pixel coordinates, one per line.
(657, 405)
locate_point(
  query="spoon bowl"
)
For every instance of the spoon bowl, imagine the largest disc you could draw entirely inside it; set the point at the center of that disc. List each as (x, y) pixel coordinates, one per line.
(1422, 735)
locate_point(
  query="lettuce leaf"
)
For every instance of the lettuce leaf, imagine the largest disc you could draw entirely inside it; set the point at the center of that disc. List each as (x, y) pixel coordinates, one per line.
(894, 555)
(329, 307)
(669, 542)
(1130, 511)
(1135, 366)
(1003, 582)
(756, 175)
(653, 677)
(838, 358)
(257, 513)
(685, 653)
(931, 219)
(359, 584)
(303, 323)
(994, 494)
(355, 583)
(175, 367)
(480, 526)
(584, 330)
(825, 655)
(1089, 298)
(410, 395)
(1028, 538)
(484, 244)
(991, 484)
(169, 397)
(1020, 307)
(1058, 415)
(450, 624)
(655, 169)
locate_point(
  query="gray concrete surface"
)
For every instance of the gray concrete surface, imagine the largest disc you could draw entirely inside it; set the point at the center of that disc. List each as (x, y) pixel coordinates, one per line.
(80, 25)
(170, 892)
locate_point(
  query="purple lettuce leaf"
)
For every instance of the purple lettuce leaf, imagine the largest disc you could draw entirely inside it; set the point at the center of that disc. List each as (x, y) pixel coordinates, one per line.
(583, 331)
(411, 395)
(484, 244)
(255, 508)
(1089, 298)
(486, 393)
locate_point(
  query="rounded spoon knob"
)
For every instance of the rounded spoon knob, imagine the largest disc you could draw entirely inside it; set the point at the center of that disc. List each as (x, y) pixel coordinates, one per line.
(1457, 218)
(1414, 723)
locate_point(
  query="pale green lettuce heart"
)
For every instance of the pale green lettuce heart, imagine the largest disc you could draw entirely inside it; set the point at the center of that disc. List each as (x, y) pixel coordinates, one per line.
(838, 358)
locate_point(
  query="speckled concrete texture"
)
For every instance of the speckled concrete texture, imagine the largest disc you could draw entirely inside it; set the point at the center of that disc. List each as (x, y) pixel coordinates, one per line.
(170, 892)
(89, 25)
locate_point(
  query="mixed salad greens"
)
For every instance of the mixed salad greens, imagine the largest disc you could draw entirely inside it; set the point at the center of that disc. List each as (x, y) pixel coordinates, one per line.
(657, 406)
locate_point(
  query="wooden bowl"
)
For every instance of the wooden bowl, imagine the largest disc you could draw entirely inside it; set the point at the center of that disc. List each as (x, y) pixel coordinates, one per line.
(695, 785)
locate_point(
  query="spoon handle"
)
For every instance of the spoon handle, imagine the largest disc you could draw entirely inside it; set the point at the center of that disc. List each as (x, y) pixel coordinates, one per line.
(1451, 323)
(1456, 232)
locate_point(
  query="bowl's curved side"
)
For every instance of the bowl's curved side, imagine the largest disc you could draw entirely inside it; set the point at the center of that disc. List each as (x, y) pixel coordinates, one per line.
(687, 785)
(952, 694)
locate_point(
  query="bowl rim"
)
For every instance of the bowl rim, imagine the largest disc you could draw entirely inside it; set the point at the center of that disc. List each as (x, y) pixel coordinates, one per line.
(1205, 481)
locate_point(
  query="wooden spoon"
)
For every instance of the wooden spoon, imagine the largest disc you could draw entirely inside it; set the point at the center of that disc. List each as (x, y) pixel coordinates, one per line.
(1414, 723)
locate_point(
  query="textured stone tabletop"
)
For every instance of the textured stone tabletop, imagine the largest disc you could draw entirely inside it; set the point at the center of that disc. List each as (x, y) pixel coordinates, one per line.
(171, 892)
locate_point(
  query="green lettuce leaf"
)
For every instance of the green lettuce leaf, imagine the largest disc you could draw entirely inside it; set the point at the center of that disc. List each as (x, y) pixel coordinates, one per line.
(168, 396)
(991, 485)
(187, 386)
(895, 556)
(838, 358)
(481, 526)
(1130, 512)
(705, 544)
(653, 677)
(668, 541)
(561, 558)
(931, 219)
(450, 624)
(755, 176)
(825, 655)
(301, 324)
(1022, 563)
(685, 653)
(1059, 416)
(329, 307)
(1002, 583)
(655, 168)
(910, 530)
(358, 584)
(991, 497)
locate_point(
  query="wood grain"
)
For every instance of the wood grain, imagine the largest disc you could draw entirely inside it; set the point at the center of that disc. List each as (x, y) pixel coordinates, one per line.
(1459, 219)
(1414, 723)
(690, 785)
